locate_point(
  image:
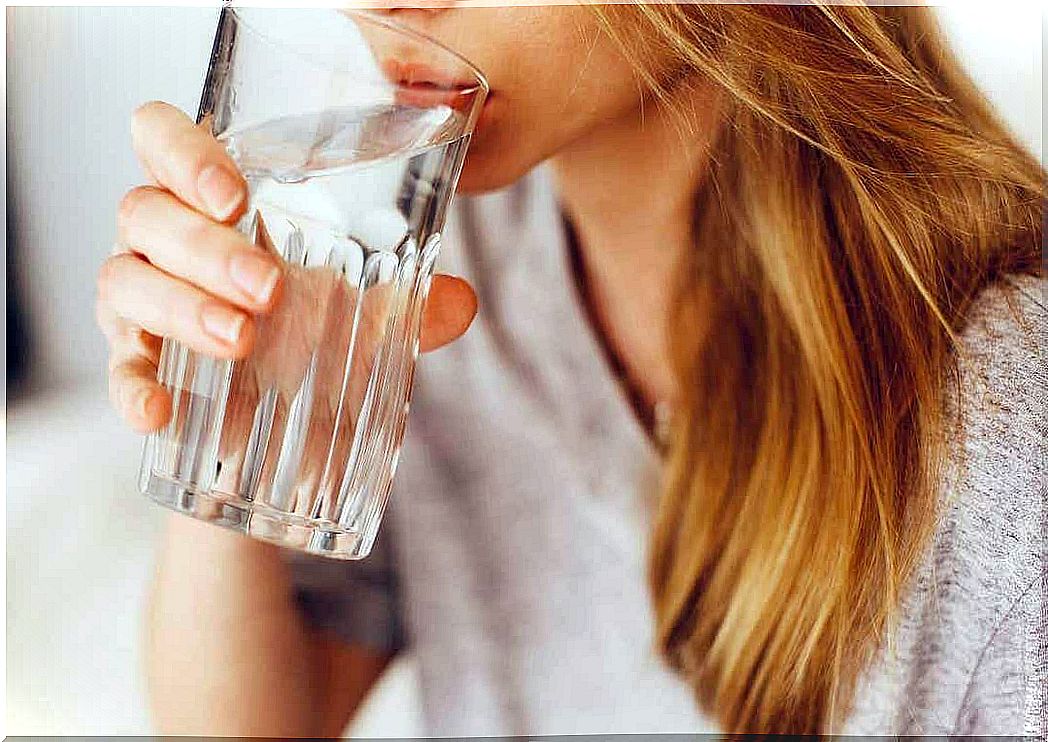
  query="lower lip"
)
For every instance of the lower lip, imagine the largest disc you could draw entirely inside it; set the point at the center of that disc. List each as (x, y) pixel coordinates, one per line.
(424, 96)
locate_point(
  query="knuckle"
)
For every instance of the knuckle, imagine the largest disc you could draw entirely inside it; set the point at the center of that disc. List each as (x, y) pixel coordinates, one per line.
(104, 282)
(130, 204)
(139, 115)
(144, 109)
(144, 112)
(199, 235)
(140, 121)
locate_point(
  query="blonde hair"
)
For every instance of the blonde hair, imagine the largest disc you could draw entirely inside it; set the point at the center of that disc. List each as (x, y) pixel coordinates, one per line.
(860, 195)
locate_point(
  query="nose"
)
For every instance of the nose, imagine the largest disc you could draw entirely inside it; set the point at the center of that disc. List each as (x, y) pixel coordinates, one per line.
(422, 17)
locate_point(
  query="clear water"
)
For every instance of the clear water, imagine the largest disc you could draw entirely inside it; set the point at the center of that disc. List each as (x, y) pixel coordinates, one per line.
(305, 432)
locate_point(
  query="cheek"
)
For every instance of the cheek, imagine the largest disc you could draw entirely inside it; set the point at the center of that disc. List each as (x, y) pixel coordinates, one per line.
(520, 131)
(552, 85)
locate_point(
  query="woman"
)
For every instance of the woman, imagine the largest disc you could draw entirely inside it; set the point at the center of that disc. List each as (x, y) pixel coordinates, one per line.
(755, 386)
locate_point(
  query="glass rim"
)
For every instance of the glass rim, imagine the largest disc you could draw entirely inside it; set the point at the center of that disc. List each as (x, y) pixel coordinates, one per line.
(375, 19)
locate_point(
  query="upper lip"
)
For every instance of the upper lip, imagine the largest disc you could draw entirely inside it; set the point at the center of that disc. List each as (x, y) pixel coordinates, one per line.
(421, 75)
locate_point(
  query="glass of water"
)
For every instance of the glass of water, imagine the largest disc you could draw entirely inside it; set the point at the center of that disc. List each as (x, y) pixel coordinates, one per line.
(350, 131)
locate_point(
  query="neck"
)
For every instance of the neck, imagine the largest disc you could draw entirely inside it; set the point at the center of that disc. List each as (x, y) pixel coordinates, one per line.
(628, 189)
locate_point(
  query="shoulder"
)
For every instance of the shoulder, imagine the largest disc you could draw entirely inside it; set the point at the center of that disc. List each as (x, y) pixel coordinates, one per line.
(969, 642)
(1003, 337)
(1000, 404)
(998, 513)
(991, 549)
(996, 486)
(1000, 409)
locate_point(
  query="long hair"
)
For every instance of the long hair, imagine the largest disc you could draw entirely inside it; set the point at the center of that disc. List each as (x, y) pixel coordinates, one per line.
(861, 193)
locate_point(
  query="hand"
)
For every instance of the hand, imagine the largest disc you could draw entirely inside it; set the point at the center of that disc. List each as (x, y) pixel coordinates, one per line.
(186, 273)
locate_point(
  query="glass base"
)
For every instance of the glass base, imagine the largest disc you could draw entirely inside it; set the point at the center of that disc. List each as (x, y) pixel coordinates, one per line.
(257, 520)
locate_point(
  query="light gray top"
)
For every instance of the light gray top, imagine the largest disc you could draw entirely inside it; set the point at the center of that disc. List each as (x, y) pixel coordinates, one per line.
(511, 563)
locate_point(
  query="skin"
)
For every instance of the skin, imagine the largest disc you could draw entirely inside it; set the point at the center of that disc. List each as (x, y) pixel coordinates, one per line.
(564, 92)
(222, 627)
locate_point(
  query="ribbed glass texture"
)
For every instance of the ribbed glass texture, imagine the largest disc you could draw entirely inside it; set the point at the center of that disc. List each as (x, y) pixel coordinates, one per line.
(350, 172)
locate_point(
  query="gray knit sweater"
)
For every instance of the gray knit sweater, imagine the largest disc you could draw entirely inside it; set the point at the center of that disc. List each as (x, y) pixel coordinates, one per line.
(511, 562)
(971, 654)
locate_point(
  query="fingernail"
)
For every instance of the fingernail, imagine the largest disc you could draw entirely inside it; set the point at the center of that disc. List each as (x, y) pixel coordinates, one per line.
(222, 323)
(254, 275)
(220, 190)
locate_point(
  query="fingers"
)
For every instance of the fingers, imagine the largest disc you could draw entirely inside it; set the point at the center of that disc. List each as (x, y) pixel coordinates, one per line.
(125, 337)
(162, 305)
(188, 244)
(187, 160)
(139, 304)
(450, 309)
(136, 394)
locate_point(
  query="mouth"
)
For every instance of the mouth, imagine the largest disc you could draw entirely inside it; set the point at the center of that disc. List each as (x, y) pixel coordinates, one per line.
(421, 86)
(422, 95)
(416, 76)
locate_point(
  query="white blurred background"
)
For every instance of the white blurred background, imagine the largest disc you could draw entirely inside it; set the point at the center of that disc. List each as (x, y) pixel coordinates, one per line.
(79, 539)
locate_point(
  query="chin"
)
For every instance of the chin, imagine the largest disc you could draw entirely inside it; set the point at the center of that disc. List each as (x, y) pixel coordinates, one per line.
(501, 151)
(484, 171)
(472, 183)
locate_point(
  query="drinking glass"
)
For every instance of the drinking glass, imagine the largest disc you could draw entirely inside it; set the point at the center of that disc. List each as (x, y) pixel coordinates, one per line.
(350, 131)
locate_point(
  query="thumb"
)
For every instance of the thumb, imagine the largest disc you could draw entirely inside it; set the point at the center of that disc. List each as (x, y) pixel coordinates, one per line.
(450, 308)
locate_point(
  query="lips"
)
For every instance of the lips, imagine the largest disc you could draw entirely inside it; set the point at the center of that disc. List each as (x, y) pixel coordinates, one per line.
(424, 86)
(426, 96)
(413, 73)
